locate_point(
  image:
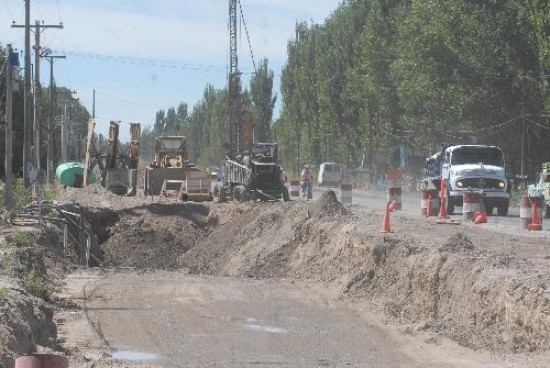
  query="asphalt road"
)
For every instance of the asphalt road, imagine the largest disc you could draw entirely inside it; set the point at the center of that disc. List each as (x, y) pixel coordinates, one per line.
(376, 200)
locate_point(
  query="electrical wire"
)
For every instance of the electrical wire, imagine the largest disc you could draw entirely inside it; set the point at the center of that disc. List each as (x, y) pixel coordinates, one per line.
(537, 124)
(123, 100)
(150, 62)
(247, 35)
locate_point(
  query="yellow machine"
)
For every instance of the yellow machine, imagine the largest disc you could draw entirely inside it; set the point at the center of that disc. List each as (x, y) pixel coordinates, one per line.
(170, 174)
(117, 166)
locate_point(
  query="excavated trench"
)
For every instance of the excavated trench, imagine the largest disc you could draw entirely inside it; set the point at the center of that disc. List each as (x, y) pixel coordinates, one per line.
(451, 286)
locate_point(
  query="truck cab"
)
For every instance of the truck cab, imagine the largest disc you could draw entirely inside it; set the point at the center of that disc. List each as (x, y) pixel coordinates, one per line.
(478, 168)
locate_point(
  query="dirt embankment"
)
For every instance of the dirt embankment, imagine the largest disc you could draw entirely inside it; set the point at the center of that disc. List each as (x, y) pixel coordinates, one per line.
(451, 285)
(28, 273)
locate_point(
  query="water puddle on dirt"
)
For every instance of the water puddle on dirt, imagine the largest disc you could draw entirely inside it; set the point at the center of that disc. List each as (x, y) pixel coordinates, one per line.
(255, 325)
(133, 355)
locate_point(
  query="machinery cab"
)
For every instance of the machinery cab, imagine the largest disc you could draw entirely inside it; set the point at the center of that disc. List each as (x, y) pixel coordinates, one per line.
(170, 151)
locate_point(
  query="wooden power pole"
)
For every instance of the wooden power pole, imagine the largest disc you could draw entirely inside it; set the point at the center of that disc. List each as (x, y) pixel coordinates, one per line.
(8, 191)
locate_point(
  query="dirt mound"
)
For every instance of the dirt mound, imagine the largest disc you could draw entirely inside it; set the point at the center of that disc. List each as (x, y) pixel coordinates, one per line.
(154, 236)
(98, 197)
(458, 243)
(328, 204)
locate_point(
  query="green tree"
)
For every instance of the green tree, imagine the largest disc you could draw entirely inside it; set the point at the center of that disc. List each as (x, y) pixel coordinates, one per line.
(263, 101)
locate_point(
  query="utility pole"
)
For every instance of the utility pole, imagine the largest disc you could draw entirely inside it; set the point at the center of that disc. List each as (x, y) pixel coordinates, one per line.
(64, 133)
(36, 105)
(27, 128)
(65, 126)
(51, 125)
(8, 192)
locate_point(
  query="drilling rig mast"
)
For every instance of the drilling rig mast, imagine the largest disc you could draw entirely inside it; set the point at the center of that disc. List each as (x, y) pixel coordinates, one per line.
(235, 101)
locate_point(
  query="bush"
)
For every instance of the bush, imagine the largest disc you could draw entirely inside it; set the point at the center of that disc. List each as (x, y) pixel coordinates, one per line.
(21, 196)
(21, 239)
(33, 283)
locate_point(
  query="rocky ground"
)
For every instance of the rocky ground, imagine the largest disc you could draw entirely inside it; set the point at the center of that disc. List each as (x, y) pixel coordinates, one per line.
(464, 282)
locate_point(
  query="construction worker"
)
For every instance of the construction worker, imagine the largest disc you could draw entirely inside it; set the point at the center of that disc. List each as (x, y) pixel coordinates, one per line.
(307, 182)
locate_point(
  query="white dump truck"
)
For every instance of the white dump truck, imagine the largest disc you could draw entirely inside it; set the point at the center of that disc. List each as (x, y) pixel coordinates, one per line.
(479, 168)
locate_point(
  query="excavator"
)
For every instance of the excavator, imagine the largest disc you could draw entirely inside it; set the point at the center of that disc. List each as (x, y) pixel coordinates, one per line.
(117, 166)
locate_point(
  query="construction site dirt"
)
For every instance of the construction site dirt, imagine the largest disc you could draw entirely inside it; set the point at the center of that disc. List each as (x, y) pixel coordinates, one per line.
(295, 284)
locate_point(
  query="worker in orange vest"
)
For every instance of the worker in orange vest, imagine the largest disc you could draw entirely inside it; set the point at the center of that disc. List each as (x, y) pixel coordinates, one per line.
(307, 178)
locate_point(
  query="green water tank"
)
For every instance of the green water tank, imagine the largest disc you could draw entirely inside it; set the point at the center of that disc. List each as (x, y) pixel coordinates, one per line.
(69, 172)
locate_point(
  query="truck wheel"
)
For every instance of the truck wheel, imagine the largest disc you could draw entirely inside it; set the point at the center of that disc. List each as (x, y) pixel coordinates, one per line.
(502, 210)
(286, 197)
(490, 210)
(239, 194)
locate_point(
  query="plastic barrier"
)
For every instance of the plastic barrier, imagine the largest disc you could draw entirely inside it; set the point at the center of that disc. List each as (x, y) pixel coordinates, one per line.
(429, 202)
(525, 210)
(346, 193)
(471, 203)
(294, 188)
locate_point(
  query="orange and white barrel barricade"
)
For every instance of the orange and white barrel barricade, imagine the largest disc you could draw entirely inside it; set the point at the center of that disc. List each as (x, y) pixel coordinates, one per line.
(394, 182)
(525, 210)
(429, 202)
(471, 203)
(394, 194)
(294, 189)
(345, 193)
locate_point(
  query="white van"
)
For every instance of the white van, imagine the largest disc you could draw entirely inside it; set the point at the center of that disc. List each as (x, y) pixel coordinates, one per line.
(330, 174)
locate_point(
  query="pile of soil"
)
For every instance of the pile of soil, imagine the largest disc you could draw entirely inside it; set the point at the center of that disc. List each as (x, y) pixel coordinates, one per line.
(155, 235)
(328, 204)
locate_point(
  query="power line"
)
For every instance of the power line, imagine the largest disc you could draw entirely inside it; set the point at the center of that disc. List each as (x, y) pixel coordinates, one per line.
(148, 62)
(124, 100)
(537, 124)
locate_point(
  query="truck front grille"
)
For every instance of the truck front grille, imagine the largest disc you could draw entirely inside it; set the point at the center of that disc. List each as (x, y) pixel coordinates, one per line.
(480, 183)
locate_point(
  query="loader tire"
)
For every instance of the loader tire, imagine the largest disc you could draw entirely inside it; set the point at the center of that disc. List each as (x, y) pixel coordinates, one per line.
(239, 194)
(217, 193)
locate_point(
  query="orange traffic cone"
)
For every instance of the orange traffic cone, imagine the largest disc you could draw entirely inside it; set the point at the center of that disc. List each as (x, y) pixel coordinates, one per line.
(392, 205)
(386, 228)
(442, 208)
(480, 217)
(535, 222)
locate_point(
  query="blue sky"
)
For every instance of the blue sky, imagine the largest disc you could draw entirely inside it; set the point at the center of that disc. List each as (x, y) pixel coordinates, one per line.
(144, 55)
